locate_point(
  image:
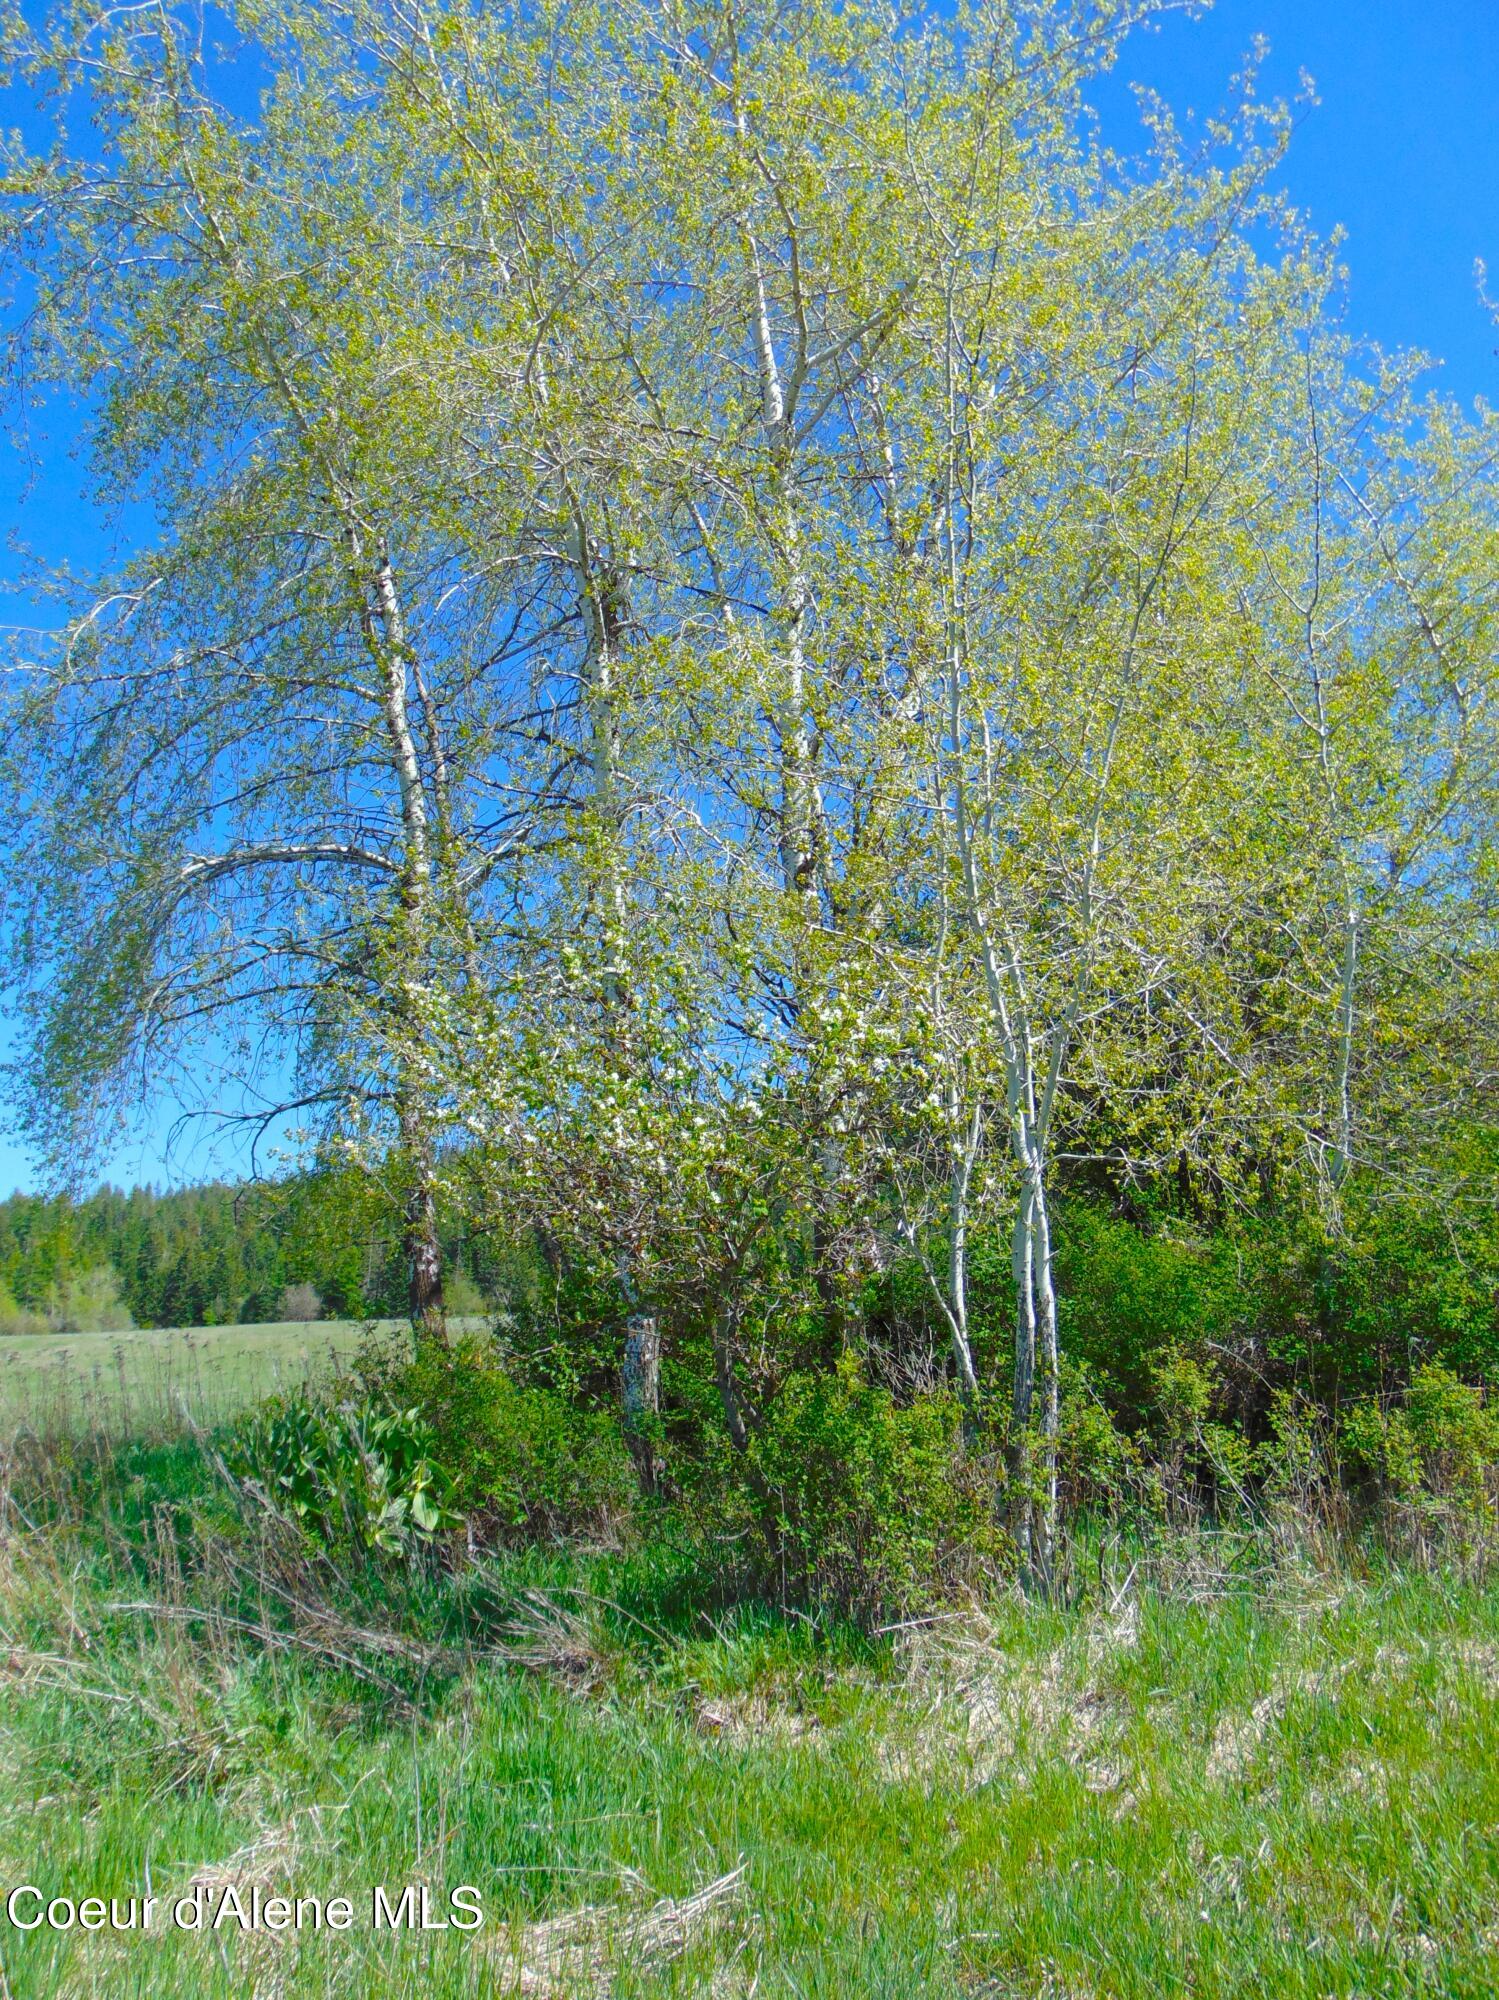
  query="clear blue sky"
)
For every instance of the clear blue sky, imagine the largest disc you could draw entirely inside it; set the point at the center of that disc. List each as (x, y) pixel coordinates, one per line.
(1402, 152)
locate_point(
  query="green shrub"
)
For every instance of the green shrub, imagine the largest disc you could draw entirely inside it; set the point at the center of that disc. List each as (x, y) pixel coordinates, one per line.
(1097, 1463)
(519, 1457)
(864, 1504)
(360, 1473)
(1182, 1390)
(1297, 1462)
(1132, 1302)
(16, 1318)
(1441, 1442)
(87, 1302)
(1190, 1458)
(462, 1298)
(1413, 1283)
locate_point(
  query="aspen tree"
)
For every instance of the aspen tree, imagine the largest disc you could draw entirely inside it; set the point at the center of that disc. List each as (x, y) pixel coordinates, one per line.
(244, 736)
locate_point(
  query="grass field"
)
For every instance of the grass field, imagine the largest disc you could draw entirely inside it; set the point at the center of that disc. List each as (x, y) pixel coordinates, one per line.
(1233, 1774)
(1226, 1799)
(60, 1384)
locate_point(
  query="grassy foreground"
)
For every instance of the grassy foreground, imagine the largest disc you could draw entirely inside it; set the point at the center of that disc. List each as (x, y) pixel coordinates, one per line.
(1274, 1783)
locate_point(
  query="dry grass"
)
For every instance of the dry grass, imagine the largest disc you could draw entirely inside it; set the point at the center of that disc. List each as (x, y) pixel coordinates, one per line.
(573, 1956)
(267, 1862)
(983, 1709)
(754, 1717)
(546, 1637)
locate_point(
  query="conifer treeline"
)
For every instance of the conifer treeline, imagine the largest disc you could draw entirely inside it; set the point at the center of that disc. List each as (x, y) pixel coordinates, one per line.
(204, 1255)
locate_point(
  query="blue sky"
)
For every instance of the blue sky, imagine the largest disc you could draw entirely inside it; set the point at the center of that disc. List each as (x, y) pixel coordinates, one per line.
(1402, 152)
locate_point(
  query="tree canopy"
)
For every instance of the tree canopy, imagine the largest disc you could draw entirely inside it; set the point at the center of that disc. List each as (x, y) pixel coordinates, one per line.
(758, 652)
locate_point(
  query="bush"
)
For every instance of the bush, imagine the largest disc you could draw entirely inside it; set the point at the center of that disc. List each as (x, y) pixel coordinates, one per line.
(1096, 1463)
(519, 1457)
(88, 1302)
(1441, 1443)
(866, 1505)
(462, 1298)
(1132, 1303)
(16, 1318)
(1414, 1283)
(301, 1302)
(360, 1473)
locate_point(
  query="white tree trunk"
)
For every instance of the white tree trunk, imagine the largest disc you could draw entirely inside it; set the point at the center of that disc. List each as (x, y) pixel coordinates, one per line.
(385, 636)
(1036, 1402)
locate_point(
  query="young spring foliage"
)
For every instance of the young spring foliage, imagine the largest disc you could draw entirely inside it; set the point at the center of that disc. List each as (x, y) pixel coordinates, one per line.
(757, 654)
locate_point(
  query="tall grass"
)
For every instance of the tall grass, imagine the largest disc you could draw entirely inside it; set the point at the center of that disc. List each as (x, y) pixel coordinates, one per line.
(1230, 1767)
(137, 1381)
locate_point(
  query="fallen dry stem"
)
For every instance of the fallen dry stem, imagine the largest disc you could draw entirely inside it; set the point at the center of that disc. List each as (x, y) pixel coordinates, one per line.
(569, 1957)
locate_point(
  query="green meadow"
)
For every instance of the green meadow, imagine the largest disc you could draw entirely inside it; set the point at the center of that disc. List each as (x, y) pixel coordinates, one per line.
(1227, 1767)
(74, 1384)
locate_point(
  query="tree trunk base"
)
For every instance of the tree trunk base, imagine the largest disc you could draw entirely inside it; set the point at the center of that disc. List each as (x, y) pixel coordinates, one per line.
(640, 1393)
